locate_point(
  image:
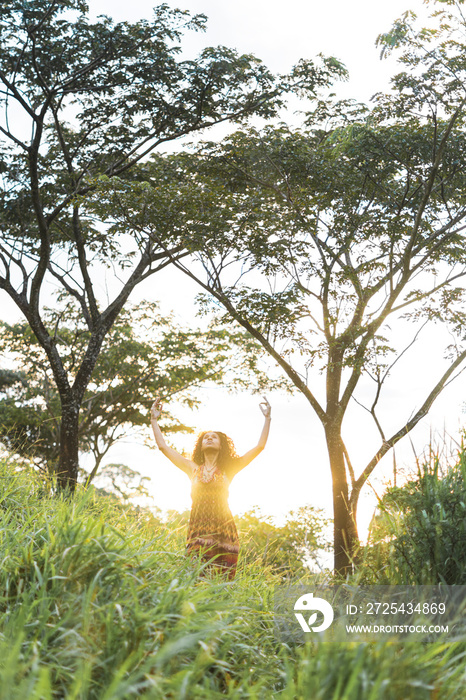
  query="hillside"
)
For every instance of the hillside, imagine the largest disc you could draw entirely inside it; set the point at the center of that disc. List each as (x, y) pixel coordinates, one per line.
(98, 602)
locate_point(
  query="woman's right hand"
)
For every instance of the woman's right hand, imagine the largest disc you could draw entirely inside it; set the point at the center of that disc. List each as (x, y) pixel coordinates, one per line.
(156, 409)
(266, 408)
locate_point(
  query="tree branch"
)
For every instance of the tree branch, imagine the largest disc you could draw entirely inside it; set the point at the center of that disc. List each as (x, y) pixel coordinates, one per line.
(83, 266)
(421, 413)
(429, 185)
(292, 374)
(13, 138)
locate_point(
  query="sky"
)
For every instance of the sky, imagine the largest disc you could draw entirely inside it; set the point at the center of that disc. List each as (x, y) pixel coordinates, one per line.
(293, 469)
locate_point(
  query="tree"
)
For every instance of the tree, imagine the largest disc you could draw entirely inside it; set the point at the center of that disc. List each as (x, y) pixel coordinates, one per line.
(123, 483)
(287, 549)
(83, 100)
(143, 355)
(344, 226)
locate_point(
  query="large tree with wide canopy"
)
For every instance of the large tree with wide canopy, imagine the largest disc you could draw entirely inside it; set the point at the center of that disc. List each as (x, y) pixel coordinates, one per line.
(318, 240)
(84, 100)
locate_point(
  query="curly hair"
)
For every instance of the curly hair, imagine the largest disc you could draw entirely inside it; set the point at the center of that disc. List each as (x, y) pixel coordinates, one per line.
(226, 454)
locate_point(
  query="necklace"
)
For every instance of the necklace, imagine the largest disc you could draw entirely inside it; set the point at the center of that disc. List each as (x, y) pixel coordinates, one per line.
(207, 473)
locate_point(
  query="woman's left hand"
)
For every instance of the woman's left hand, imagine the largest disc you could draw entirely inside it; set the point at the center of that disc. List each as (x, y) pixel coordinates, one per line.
(266, 408)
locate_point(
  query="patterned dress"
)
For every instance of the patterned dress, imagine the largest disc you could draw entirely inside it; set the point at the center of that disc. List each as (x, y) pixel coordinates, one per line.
(212, 531)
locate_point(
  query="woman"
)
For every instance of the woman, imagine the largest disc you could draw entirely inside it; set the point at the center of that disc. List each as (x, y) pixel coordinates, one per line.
(212, 531)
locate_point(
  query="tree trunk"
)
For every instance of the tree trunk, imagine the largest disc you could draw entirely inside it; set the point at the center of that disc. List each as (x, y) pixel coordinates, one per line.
(71, 399)
(346, 540)
(68, 463)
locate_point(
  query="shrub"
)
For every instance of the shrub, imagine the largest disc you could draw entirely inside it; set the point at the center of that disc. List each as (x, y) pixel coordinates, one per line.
(419, 533)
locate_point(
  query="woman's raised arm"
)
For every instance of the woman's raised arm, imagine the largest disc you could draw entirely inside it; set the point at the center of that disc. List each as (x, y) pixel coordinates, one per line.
(178, 460)
(247, 458)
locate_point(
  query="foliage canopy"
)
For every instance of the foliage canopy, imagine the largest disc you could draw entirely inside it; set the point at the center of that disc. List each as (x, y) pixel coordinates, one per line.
(144, 355)
(84, 102)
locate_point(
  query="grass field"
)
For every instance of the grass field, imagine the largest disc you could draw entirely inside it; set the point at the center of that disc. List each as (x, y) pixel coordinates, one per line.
(99, 602)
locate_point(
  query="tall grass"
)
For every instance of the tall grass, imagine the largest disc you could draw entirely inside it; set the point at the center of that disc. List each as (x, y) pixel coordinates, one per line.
(419, 534)
(99, 602)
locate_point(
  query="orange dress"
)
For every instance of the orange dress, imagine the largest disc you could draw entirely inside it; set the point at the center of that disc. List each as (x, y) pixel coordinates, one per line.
(212, 531)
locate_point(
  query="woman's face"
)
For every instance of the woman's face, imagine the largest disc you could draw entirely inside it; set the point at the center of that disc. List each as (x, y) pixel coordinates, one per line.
(211, 441)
